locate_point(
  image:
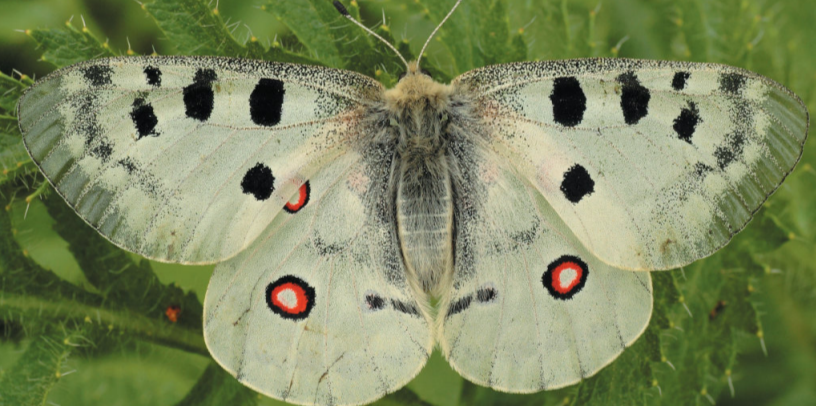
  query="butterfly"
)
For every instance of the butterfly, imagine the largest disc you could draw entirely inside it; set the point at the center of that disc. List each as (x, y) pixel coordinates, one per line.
(525, 201)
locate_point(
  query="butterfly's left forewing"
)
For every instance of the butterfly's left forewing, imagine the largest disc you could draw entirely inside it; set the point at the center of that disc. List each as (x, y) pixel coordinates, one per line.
(187, 159)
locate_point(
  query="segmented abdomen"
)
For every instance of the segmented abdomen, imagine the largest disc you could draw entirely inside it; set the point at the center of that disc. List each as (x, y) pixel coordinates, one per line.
(425, 219)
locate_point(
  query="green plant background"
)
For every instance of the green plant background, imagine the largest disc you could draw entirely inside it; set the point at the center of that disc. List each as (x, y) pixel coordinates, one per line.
(83, 323)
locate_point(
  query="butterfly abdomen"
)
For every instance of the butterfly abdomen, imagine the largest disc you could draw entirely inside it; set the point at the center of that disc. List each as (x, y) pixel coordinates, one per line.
(424, 196)
(424, 219)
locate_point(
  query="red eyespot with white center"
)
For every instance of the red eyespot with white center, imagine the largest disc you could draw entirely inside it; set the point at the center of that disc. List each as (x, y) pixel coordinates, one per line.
(565, 277)
(300, 201)
(290, 297)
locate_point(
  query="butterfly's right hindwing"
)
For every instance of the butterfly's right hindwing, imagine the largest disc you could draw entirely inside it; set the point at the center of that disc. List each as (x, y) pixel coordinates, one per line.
(530, 307)
(187, 159)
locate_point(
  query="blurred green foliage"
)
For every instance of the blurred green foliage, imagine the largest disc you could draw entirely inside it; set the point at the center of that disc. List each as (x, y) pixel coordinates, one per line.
(84, 323)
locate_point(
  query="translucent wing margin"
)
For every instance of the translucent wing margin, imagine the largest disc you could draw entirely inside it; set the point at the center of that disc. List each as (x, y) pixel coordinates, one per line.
(651, 164)
(187, 159)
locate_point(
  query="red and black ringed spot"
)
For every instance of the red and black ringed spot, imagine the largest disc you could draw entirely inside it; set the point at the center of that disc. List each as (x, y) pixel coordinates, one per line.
(303, 198)
(290, 297)
(565, 277)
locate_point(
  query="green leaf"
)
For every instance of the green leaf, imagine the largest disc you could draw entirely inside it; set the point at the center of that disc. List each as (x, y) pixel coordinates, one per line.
(194, 28)
(122, 282)
(492, 32)
(39, 369)
(13, 156)
(327, 35)
(216, 387)
(69, 45)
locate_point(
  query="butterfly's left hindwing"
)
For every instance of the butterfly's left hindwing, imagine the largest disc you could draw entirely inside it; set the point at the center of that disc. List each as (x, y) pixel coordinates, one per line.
(651, 164)
(187, 159)
(319, 309)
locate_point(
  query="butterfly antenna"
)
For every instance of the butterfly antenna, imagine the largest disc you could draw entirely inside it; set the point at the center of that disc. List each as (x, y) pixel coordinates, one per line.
(422, 52)
(342, 9)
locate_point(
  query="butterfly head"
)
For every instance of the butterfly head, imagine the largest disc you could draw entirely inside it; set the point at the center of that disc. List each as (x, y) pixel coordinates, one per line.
(414, 69)
(416, 84)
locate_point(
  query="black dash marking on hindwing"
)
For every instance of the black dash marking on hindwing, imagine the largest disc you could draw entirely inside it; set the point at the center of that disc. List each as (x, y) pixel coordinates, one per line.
(153, 75)
(565, 277)
(374, 301)
(290, 297)
(459, 306)
(568, 101)
(634, 98)
(732, 82)
(259, 182)
(199, 98)
(577, 183)
(731, 149)
(144, 118)
(486, 294)
(679, 80)
(266, 102)
(98, 75)
(403, 307)
(686, 122)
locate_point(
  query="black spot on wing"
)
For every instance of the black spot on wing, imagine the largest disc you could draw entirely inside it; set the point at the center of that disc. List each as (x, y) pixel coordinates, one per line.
(403, 307)
(374, 301)
(686, 123)
(486, 294)
(568, 100)
(266, 102)
(153, 75)
(459, 306)
(701, 169)
(128, 165)
(679, 80)
(731, 149)
(144, 118)
(103, 151)
(634, 98)
(577, 183)
(199, 98)
(259, 182)
(98, 75)
(732, 82)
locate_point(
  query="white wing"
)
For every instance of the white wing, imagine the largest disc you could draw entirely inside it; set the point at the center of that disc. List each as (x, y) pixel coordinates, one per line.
(651, 164)
(187, 159)
(318, 310)
(531, 308)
